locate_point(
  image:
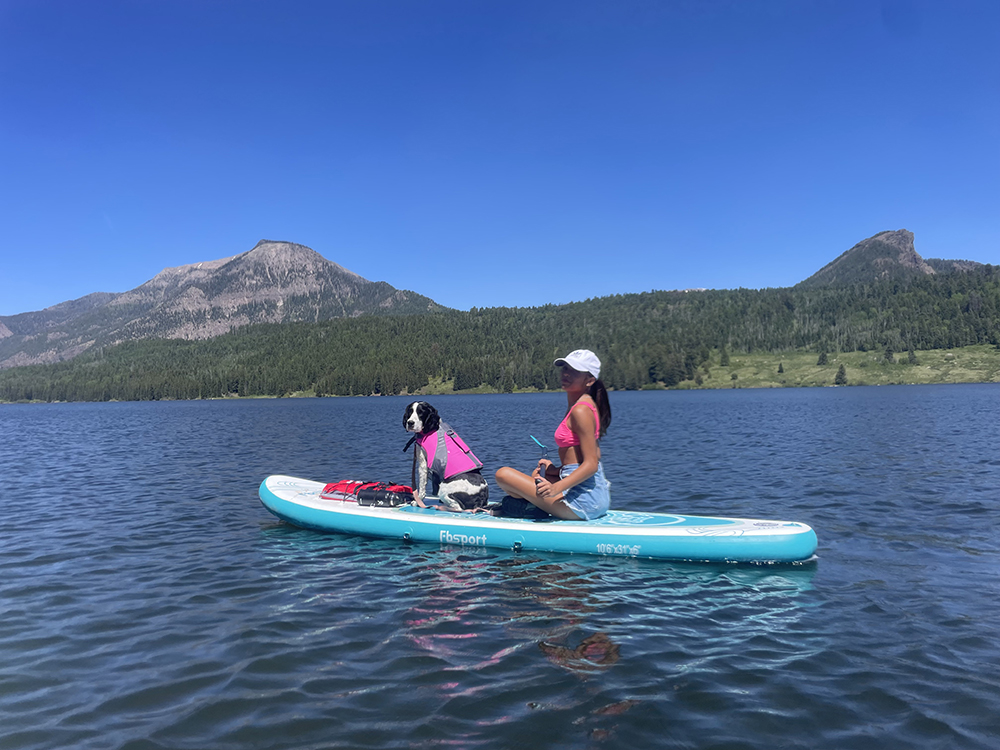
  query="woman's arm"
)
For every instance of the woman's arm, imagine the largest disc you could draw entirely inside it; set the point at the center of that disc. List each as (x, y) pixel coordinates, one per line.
(583, 425)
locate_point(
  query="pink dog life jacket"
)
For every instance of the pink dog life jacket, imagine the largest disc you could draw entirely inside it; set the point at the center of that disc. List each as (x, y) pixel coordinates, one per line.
(447, 454)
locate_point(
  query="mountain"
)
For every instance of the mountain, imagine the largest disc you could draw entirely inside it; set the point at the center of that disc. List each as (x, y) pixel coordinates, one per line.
(887, 255)
(279, 282)
(275, 282)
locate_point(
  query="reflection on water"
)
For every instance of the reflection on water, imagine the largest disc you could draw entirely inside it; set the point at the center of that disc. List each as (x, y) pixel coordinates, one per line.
(471, 610)
(596, 651)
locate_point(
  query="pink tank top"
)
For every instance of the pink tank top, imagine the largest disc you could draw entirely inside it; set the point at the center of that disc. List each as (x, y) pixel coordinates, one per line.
(565, 437)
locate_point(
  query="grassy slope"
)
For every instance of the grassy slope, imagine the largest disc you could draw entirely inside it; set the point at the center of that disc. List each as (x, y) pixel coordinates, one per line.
(970, 364)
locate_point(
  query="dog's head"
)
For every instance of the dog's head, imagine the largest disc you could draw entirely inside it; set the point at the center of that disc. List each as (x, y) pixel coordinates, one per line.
(421, 418)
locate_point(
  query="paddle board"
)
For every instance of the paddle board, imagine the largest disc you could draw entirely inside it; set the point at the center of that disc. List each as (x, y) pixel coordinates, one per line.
(664, 536)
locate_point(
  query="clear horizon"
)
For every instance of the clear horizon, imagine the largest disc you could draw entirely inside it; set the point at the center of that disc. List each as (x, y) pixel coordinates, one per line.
(496, 154)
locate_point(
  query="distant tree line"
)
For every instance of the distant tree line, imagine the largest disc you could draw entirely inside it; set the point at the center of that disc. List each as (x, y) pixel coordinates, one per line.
(654, 337)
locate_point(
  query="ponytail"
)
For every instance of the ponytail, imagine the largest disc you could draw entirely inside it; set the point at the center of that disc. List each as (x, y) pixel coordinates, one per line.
(600, 395)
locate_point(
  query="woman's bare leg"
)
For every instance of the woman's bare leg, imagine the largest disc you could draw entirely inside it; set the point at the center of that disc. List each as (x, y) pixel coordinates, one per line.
(518, 484)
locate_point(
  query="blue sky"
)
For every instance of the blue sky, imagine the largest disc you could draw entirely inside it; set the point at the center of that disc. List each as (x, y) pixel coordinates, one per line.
(492, 153)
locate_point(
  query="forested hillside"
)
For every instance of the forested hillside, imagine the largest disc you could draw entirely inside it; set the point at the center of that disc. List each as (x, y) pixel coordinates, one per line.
(655, 337)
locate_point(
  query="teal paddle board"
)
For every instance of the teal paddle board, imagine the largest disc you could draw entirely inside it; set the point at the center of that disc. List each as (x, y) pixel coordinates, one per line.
(663, 536)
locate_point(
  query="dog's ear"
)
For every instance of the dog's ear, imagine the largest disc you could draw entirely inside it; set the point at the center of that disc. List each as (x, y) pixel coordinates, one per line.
(430, 417)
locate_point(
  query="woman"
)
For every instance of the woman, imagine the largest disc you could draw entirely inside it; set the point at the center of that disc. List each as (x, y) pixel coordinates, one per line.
(577, 490)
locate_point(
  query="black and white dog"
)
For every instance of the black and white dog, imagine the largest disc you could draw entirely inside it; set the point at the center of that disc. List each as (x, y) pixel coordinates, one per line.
(443, 464)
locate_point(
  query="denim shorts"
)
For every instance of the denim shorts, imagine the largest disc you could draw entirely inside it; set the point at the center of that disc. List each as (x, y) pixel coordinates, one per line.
(591, 498)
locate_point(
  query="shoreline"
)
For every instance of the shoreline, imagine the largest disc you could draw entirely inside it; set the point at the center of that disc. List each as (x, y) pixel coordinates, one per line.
(493, 392)
(964, 365)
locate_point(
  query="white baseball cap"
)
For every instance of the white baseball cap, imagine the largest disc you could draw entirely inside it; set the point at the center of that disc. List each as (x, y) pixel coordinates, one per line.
(582, 360)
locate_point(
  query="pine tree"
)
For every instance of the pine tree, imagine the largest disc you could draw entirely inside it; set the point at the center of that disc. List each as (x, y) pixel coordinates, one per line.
(822, 359)
(841, 378)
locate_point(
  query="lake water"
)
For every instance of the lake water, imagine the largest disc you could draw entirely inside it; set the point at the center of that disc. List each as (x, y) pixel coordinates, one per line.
(149, 601)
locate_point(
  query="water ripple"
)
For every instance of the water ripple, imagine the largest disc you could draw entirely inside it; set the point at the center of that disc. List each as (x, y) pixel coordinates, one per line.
(150, 602)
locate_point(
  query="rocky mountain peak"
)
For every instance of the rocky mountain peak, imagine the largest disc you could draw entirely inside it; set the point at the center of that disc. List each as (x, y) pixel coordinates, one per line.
(902, 241)
(274, 282)
(272, 253)
(884, 255)
(286, 257)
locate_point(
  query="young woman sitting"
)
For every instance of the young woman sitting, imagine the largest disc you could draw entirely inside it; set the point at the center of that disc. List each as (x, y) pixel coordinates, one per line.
(576, 490)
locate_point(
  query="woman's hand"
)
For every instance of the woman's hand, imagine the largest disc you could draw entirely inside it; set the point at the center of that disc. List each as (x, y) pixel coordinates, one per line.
(543, 487)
